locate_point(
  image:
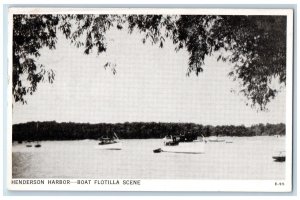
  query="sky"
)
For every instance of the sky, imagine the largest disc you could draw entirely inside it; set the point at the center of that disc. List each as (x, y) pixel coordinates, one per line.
(150, 85)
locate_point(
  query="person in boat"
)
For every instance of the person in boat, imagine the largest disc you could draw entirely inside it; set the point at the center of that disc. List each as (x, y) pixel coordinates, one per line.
(105, 140)
(108, 140)
(170, 140)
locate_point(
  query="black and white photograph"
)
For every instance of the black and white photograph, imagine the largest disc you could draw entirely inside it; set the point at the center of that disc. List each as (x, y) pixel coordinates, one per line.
(150, 99)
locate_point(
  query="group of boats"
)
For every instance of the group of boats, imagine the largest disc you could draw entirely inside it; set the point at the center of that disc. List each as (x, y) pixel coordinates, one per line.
(32, 144)
(187, 144)
(182, 144)
(175, 144)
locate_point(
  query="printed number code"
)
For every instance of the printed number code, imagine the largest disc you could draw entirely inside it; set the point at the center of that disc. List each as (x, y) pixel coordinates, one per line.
(279, 183)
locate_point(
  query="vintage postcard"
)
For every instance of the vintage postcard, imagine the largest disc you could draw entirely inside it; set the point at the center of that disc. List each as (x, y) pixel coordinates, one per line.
(150, 99)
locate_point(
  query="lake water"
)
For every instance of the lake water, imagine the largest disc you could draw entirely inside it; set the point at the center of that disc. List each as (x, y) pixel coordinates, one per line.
(244, 158)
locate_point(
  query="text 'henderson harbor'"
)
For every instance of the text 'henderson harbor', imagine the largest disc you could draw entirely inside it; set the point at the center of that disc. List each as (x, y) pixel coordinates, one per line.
(79, 182)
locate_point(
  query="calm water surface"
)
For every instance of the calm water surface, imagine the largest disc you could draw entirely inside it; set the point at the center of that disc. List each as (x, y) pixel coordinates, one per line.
(245, 158)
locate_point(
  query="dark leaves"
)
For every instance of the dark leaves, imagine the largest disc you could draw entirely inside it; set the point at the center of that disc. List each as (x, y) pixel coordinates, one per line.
(31, 33)
(112, 67)
(255, 44)
(119, 26)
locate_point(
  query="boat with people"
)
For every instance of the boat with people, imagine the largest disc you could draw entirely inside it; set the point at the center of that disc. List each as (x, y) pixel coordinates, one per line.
(171, 140)
(109, 143)
(182, 144)
(279, 156)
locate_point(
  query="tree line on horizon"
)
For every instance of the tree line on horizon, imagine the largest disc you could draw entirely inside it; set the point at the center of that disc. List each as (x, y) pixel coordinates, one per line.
(134, 130)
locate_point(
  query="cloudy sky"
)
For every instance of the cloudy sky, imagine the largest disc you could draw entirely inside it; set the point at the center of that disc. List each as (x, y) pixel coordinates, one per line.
(150, 85)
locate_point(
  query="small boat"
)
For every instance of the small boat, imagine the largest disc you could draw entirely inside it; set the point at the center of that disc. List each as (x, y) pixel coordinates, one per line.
(171, 140)
(109, 143)
(215, 139)
(182, 146)
(279, 157)
(28, 143)
(37, 145)
(157, 150)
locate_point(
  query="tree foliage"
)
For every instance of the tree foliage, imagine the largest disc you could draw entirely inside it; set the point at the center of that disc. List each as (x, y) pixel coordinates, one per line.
(30, 34)
(255, 44)
(135, 130)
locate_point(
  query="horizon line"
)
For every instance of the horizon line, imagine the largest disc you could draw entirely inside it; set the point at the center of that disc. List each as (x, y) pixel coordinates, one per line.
(147, 122)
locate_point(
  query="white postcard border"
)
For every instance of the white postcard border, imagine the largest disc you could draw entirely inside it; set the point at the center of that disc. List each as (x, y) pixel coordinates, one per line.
(159, 184)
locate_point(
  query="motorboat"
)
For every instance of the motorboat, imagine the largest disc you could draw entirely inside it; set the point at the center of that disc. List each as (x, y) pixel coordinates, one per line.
(107, 143)
(29, 143)
(109, 146)
(37, 145)
(215, 139)
(174, 144)
(171, 140)
(279, 156)
(157, 150)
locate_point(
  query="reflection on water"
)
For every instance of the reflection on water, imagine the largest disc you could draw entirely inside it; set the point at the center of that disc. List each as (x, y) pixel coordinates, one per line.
(241, 158)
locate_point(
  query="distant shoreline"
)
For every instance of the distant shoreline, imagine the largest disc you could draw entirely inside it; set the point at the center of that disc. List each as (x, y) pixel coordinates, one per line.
(135, 130)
